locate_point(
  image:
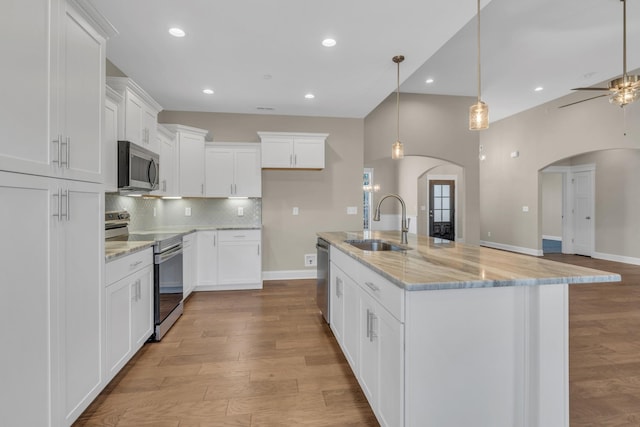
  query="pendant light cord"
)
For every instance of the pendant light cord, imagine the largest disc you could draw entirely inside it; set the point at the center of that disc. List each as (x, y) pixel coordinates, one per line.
(479, 80)
(398, 104)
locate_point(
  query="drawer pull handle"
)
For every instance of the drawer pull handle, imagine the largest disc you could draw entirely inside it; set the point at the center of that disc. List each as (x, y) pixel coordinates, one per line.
(135, 264)
(372, 286)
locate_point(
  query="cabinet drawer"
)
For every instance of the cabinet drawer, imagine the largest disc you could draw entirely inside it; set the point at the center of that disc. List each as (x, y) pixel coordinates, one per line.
(382, 290)
(238, 235)
(348, 265)
(122, 267)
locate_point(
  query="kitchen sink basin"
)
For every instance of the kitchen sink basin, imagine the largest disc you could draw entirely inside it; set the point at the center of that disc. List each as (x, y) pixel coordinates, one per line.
(375, 245)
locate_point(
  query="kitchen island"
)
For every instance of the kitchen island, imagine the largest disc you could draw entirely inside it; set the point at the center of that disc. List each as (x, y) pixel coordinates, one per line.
(442, 334)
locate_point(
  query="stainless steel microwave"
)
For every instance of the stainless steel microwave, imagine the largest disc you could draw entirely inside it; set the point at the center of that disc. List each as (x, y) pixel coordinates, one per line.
(138, 168)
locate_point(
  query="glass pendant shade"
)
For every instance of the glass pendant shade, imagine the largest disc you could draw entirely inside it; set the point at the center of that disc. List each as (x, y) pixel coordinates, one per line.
(479, 116)
(397, 151)
(625, 95)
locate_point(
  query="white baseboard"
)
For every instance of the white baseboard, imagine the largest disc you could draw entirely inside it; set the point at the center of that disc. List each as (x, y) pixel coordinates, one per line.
(616, 258)
(518, 249)
(547, 237)
(235, 287)
(310, 273)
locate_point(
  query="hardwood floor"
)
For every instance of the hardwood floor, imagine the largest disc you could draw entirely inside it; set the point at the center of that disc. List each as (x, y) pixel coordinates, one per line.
(604, 347)
(266, 358)
(243, 358)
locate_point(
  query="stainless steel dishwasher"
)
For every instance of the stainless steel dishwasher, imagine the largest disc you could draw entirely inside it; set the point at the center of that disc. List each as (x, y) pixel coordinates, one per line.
(322, 294)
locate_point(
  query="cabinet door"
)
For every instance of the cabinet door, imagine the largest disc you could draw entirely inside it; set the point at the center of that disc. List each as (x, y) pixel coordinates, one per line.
(81, 98)
(118, 326)
(28, 267)
(239, 258)
(25, 146)
(369, 352)
(133, 119)
(351, 340)
(277, 152)
(150, 128)
(142, 307)
(247, 174)
(167, 149)
(191, 165)
(110, 146)
(336, 290)
(78, 300)
(207, 261)
(390, 333)
(189, 272)
(308, 153)
(219, 172)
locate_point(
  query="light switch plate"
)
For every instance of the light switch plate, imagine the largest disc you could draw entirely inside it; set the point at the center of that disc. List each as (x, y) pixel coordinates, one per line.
(352, 210)
(296, 211)
(525, 209)
(240, 211)
(187, 211)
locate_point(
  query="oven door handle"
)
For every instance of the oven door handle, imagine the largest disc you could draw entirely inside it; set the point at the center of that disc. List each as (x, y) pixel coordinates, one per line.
(166, 256)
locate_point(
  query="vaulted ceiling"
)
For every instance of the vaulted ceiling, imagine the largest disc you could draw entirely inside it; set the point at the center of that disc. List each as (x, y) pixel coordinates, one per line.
(264, 56)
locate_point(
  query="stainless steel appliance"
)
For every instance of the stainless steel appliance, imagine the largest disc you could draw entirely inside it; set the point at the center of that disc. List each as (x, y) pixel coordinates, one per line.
(167, 277)
(138, 168)
(322, 291)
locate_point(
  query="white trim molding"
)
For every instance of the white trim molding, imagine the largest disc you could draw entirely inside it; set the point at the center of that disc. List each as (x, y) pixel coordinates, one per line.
(616, 258)
(511, 248)
(290, 274)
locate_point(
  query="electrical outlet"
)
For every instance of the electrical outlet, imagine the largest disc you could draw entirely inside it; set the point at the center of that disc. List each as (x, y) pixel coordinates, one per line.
(296, 211)
(310, 260)
(525, 209)
(488, 234)
(154, 212)
(240, 211)
(187, 211)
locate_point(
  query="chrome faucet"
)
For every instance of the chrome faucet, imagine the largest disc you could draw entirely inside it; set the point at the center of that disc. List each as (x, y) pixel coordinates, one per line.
(404, 225)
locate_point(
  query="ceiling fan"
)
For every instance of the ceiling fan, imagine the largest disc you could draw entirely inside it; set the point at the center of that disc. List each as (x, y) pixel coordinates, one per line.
(623, 90)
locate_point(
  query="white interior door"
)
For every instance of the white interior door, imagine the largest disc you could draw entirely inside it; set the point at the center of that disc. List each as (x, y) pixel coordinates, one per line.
(583, 212)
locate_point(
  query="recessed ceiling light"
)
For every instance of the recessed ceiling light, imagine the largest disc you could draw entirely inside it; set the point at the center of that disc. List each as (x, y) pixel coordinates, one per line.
(208, 91)
(539, 88)
(176, 32)
(429, 81)
(328, 42)
(309, 96)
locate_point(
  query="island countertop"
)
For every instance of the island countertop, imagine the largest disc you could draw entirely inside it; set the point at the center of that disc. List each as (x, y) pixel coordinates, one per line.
(434, 264)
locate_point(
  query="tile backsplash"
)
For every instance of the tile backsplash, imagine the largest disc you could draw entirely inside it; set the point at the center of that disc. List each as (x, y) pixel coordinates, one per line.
(155, 213)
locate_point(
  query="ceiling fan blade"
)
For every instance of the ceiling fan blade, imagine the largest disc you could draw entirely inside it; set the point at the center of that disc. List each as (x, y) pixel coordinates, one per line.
(590, 88)
(583, 100)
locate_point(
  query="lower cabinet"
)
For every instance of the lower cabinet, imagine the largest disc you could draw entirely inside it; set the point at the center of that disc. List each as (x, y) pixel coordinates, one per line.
(189, 263)
(371, 337)
(129, 308)
(229, 259)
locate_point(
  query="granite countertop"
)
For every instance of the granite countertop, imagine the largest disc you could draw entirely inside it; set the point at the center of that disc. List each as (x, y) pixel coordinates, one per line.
(113, 250)
(434, 264)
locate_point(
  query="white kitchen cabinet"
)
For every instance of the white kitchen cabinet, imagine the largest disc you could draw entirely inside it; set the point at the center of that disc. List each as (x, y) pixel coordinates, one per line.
(138, 116)
(51, 128)
(372, 337)
(229, 260)
(240, 258)
(110, 139)
(168, 154)
(190, 159)
(129, 308)
(207, 276)
(190, 265)
(285, 150)
(53, 360)
(233, 170)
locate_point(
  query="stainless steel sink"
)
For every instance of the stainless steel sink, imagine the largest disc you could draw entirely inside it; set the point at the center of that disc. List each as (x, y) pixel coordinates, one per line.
(375, 245)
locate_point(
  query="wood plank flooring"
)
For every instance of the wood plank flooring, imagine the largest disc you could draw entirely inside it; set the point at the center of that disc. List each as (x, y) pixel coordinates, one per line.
(266, 358)
(242, 358)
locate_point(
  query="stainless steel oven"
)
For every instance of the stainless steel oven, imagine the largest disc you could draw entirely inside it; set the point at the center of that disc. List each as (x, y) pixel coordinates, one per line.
(168, 283)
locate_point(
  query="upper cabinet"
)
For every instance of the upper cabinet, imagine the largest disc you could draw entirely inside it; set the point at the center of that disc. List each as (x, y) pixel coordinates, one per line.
(110, 139)
(138, 119)
(190, 159)
(285, 150)
(166, 142)
(233, 170)
(50, 127)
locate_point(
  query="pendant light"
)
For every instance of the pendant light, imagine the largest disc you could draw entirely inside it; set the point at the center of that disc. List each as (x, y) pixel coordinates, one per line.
(626, 89)
(479, 112)
(397, 151)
